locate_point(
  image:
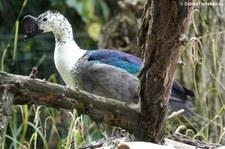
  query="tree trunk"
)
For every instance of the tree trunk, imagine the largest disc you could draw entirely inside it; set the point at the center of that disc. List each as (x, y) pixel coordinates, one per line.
(161, 36)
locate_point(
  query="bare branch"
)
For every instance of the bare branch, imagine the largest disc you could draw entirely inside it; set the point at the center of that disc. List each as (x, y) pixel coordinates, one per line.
(25, 90)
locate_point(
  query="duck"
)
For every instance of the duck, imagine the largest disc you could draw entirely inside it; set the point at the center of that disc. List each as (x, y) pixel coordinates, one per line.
(103, 72)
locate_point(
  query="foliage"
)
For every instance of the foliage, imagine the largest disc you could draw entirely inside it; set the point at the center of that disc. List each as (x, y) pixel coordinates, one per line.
(42, 127)
(86, 9)
(204, 72)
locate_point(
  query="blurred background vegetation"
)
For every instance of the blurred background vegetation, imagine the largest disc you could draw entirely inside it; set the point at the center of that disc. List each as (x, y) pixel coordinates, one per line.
(110, 24)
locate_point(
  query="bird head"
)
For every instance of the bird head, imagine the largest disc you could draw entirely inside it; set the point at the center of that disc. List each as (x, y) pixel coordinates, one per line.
(48, 21)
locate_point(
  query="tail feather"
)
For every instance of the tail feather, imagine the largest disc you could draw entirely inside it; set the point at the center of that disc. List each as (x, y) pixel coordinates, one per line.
(182, 98)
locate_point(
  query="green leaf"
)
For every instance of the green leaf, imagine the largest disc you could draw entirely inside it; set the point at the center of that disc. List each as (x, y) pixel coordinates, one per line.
(104, 9)
(85, 8)
(94, 30)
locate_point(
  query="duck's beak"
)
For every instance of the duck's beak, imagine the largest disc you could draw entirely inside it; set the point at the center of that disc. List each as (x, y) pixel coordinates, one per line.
(30, 25)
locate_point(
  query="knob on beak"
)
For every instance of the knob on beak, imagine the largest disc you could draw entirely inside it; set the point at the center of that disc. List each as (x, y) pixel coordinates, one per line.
(30, 26)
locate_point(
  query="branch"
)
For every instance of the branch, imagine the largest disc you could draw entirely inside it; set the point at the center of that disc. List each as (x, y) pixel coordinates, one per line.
(25, 90)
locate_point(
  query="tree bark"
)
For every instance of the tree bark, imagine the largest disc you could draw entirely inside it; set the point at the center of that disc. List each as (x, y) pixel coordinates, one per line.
(161, 36)
(5, 110)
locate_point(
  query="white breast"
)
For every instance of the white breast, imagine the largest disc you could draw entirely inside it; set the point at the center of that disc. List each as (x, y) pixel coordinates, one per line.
(65, 57)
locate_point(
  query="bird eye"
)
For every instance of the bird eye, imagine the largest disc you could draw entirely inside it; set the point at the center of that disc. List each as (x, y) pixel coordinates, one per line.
(45, 19)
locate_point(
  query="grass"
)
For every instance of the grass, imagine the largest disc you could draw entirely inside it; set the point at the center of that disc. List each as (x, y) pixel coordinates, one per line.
(204, 73)
(15, 30)
(42, 127)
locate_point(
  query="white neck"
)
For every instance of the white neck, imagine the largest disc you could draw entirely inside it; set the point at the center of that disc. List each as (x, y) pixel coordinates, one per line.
(63, 33)
(67, 51)
(65, 57)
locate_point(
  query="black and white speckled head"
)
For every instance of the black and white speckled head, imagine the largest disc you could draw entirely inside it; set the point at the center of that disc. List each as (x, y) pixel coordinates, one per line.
(49, 21)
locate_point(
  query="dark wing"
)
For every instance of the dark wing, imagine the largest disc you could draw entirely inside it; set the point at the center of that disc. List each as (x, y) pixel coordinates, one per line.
(128, 62)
